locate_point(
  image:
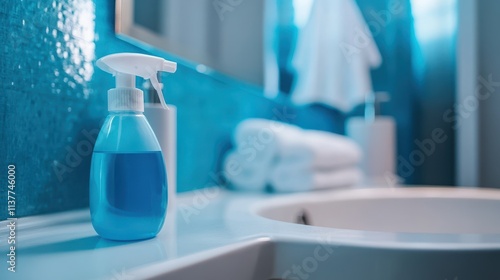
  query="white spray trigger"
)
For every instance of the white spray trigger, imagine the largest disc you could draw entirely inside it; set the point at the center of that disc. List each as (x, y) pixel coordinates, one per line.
(145, 66)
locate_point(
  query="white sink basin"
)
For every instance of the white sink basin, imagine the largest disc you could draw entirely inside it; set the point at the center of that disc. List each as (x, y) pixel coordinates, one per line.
(398, 210)
(391, 233)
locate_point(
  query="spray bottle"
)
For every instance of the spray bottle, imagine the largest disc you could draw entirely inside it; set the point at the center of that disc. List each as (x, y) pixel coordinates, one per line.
(128, 181)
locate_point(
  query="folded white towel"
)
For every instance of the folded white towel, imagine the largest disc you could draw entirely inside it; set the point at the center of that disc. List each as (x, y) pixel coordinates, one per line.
(260, 144)
(259, 139)
(285, 179)
(262, 140)
(244, 174)
(320, 150)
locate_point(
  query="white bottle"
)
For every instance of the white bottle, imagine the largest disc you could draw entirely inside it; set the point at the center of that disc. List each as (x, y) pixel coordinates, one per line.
(163, 120)
(377, 137)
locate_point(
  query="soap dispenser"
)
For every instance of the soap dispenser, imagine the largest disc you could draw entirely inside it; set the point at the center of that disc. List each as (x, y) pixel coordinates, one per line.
(128, 181)
(376, 135)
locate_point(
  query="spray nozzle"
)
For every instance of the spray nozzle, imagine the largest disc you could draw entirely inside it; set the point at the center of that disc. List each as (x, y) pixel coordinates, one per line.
(125, 66)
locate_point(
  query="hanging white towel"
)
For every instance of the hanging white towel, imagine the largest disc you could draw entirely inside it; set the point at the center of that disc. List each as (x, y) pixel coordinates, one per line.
(334, 55)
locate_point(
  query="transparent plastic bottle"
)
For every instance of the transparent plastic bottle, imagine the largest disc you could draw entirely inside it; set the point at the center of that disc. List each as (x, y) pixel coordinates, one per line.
(128, 181)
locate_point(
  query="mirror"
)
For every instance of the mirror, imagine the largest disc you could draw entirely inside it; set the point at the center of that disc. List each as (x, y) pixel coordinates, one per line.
(224, 35)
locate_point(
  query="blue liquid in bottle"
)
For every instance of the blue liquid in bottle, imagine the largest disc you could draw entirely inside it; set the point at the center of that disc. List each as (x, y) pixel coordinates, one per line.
(130, 190)
(128, 180)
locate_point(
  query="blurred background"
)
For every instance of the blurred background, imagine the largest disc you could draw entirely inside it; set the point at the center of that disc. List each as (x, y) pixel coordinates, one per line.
(238, 59)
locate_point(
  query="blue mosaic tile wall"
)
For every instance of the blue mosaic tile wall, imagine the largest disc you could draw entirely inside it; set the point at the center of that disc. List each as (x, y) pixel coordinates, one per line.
(52, 100)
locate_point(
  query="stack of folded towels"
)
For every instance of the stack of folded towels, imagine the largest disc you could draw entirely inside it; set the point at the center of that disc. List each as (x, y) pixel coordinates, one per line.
(290, 159)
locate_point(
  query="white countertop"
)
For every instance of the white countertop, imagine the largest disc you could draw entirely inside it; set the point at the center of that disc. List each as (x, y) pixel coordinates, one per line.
(65, 246)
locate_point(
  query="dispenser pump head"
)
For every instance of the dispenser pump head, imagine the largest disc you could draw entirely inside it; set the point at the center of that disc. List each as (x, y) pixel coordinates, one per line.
(125, 67)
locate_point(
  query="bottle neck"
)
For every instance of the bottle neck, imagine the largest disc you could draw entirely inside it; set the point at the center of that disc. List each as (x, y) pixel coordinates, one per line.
(125, 99)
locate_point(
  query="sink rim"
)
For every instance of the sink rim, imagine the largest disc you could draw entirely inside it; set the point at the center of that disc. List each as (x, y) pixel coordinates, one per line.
(394, 240)
(385, 192)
